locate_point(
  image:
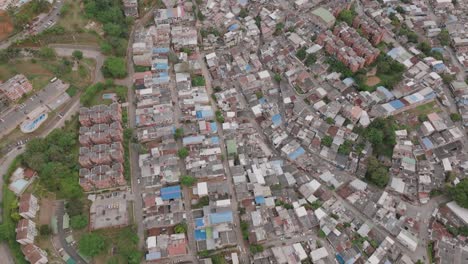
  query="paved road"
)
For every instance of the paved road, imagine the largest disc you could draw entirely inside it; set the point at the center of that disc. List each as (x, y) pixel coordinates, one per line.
(40, 26)
(62, 234)
(244, 256)
(134, 167)
(92, 52)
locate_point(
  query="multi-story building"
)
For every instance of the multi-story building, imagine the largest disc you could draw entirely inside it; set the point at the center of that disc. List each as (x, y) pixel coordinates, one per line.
(28, 206)
(16, 87)
(34, 254)
(25, 232)
(100, 114)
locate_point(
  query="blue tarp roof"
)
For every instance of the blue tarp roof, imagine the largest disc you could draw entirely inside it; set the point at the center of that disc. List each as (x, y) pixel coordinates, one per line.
(214, 127)
(298, 152)
(430, 95)
(348, 81)
(439, 67)
(214, 140)
(386, 92)
(427, 143)
(397, 104)
(340, 259)
(233, 27)
(192, 139)
(204, 114)
(248, 67)
(199, 222)
(200, 234)
(262, 100)
(172, 192)
(160, 50)
(276, 119)
(223, 217)
(161, 66)
(259, 200)
(153, 256)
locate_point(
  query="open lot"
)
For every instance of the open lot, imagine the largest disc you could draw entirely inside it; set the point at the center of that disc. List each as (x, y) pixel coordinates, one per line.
(109, 210)
(6, 25)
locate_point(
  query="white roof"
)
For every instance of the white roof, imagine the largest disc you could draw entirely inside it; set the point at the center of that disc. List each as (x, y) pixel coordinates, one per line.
(408, 240)
(300, 211)
(319, 254)
(151, 242)
(447, 164)
(264, 74)
(398, 185)
(461, 212)
(202, 188)
(319, 213)
(358, 185)
(300, 251)
(223, 203)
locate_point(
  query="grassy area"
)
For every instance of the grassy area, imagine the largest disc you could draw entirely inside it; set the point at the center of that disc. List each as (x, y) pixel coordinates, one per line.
(9, 206)
(121, 246)
(40, 71)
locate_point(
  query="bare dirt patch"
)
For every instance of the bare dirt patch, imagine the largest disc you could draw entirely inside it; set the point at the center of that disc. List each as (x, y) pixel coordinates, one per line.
(6, 25)
(372, 80)
(47, 210)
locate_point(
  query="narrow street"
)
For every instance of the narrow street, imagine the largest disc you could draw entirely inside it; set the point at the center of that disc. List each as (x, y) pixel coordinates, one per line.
(62, 235)
(244, 257)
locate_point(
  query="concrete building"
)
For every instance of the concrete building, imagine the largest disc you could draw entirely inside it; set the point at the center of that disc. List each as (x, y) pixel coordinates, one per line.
(34, 254)
(323, 17)
(25, 232)
(28, 206)
(16, 87)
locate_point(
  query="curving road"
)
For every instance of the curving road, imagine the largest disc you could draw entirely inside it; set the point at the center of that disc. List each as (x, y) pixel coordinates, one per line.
(40, 26)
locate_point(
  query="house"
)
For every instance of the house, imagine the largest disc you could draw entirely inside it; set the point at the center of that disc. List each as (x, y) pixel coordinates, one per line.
(25, 232)
(16, 87)
(34, 254)
(28, 206)
(323, 17)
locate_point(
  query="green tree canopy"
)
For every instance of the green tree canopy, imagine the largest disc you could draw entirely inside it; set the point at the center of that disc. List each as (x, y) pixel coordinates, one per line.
(183, 153)
(91, 244)
(377, 173)
(188, 180)
(114, 67)
(77, 54)
(78, 222)
(459, 193)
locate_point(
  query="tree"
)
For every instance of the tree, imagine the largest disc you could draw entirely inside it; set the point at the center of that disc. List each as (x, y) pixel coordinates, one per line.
(183, 153)
(180, 228)
(456, 117)
(45, 230)
(330, 120)
(377, 173)
(345, 148)
(425, 47)
(277, 77)
(243, 13)
(47, 53)
(459, 193)
(75, 207)
(78, 222)
(400, 9)
(347, 16)
(444, 37)
(327, 141)
(91, 244)
(114, 67)
(301, 54)
(77, 54)
(188, 180)
(178, 133)
(256, 248)
(219, 116)
(310, 60)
